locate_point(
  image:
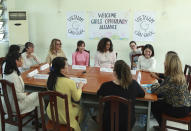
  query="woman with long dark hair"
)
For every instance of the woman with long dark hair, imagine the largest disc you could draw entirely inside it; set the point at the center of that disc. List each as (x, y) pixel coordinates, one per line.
(80, 57)
(57, 81)
(27, 102)
(124, 86)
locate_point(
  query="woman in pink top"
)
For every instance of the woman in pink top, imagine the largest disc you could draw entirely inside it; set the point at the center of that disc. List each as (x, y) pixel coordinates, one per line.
(80, 57)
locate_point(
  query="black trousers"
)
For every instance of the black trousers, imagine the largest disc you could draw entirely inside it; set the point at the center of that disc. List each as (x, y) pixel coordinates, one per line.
(160, 107)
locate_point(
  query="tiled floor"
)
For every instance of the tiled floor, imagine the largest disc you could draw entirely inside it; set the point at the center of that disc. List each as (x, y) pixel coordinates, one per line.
(92, 126)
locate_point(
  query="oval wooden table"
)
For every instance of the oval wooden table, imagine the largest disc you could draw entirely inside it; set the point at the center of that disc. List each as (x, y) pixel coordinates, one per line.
(94, 80)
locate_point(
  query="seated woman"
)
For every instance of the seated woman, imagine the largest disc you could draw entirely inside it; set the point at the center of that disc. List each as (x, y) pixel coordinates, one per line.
(58, 81)
(27, 102)
(124, 86)
(174, 91)
(105, 56)
(54, 51)
(29, 58)
(12, 50)
(134, 51)
(147, 61)
(80, 57)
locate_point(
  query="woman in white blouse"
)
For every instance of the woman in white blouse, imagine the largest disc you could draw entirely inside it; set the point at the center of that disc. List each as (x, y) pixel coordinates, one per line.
(28, 56)
(27, 102)
(147, 61)
(105, 56)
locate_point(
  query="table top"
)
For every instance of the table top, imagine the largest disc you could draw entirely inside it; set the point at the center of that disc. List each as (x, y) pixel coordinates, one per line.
(94, 79)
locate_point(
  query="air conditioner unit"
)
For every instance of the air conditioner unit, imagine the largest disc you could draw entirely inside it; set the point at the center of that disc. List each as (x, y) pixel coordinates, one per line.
(18, 27)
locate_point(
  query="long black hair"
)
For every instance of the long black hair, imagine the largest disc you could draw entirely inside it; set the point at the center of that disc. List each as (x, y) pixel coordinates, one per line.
(80, 43)
(13, 49)
(58, 63)
(27, 45)
(11, 63)
(102, 45)
(148, 46)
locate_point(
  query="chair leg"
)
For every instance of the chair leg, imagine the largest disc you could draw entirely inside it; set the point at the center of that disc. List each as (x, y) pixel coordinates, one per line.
(163, 125)
(36, 119)
(2, 123)
(20, 125)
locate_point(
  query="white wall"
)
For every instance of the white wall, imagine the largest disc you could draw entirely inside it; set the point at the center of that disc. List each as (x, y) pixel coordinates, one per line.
(47, 21)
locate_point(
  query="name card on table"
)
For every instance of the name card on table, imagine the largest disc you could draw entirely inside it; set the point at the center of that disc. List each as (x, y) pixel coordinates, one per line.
(41, 76)
(133, 72)
(78, 80)
(139, 78)
(106, 69)
(78, 67)
(43, 67)
(32, 73)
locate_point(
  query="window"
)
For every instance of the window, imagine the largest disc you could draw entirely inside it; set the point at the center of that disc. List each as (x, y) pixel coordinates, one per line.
(3, 21)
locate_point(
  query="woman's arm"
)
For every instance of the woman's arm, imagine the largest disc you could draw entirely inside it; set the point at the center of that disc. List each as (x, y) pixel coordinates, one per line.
(73, 58)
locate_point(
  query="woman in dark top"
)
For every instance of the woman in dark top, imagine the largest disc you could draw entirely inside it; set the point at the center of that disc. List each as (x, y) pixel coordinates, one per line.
(124, 86)
(174, 91)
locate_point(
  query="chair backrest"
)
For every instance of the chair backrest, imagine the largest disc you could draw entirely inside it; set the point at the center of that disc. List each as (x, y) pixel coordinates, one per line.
(8, 100)
(187, 73)
(132, 58)
(141, 46)
(2, 59)
(114, 111)
(89, 56)
(52, 95)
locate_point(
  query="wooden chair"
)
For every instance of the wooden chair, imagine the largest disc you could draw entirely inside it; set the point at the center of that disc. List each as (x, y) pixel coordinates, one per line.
(54, 124)
(132, 58)
(14, 117)
(89, 56)
(2, 59)
(187, 73)
(114, 105)
(185, 120)
(141, 47)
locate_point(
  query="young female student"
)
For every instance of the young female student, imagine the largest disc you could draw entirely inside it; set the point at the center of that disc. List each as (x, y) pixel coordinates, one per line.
(105, 56)
(173, 89)
(80, 57)
(58, 81)
(134, 51)
(124, 86)
(12, 50)
(27, 102)
(147, 61)
(54, 51)
(28, 56)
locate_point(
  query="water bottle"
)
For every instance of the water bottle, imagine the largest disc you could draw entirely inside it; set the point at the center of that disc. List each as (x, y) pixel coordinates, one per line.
(142, 120)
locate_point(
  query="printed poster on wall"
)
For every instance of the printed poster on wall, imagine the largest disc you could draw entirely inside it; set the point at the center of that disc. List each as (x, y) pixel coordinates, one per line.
(75, 24)
(108, 24)
(144, 26)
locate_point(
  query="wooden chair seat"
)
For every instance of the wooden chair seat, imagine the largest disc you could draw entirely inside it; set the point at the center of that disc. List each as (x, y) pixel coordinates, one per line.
(184, 120)
(50, 126)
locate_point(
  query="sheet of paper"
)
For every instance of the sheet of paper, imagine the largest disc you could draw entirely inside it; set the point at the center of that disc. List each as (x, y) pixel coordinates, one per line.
(78, 80)
(32, 73)
(106, 69)
(41, 76)
(79, 67)
(133, 72)
(45, 66)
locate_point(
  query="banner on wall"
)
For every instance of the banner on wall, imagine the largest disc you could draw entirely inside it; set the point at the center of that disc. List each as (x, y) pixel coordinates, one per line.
(75, 25)
(108, 24)
(144, 26)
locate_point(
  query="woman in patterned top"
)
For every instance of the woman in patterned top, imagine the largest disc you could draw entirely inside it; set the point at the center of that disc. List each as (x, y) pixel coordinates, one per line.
(174, 91)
